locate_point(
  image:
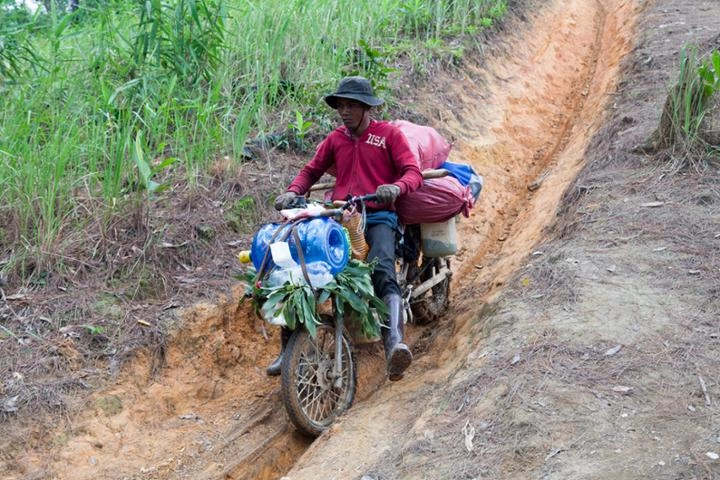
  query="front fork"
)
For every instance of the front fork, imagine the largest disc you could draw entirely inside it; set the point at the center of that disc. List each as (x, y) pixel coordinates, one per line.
(337, 368)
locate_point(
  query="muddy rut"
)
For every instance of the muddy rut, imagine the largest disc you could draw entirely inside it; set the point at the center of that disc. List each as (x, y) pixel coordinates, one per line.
(524, 121)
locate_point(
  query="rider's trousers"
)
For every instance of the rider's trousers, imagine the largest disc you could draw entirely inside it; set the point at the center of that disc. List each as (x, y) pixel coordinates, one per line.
(381, 238)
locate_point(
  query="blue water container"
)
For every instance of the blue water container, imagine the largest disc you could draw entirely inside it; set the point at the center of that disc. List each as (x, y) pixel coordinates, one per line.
(322, 240)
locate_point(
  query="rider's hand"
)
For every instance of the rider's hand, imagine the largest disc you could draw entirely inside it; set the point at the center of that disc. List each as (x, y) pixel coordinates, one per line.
(284, 200)
(387, 193)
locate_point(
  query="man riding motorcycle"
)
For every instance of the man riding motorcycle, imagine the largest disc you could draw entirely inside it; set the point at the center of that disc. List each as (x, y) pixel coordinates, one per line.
(368, 156)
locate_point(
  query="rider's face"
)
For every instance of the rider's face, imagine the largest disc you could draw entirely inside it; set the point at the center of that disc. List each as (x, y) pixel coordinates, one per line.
(352, 113)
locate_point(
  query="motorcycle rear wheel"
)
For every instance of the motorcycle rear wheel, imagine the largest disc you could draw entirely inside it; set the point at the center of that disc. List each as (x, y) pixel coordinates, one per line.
(312, 397)
(433, 304)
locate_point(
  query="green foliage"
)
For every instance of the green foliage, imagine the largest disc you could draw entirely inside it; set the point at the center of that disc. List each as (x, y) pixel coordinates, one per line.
(17, 53)
(416, 16)
(351, 293)
(295, 304)
(685, 110)
(146, 172)
(497, 10)
(300, 129)
(371, 63)
(709, 72)
(77, 87)
(94, 329)
(689, 96)
(184, 38)
(696, 84)
(423, 19)
(438, 49)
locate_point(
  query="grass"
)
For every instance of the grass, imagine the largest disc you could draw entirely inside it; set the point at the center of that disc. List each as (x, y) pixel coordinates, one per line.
(685, 131)
(697, 84)
(88, 93)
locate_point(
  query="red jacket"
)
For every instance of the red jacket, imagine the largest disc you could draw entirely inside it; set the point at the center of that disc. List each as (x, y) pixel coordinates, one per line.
(380, 156)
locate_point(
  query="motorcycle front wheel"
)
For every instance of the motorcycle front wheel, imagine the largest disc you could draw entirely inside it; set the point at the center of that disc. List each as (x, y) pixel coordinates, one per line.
(314, 396)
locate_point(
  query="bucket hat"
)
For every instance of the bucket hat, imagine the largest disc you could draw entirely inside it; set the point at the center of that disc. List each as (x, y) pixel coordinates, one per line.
(354, 88)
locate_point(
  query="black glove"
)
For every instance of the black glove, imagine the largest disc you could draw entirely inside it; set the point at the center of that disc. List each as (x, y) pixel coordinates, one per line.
(285, 200)
(387, 193)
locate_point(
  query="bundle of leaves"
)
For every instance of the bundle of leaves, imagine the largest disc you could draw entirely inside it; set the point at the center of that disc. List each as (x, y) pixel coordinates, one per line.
(350, 291)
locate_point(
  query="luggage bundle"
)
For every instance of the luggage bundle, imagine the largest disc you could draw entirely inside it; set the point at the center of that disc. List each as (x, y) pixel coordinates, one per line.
(439, 199)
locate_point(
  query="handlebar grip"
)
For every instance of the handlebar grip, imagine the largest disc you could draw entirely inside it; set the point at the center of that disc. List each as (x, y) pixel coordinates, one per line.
(371, 197)
(352, 200)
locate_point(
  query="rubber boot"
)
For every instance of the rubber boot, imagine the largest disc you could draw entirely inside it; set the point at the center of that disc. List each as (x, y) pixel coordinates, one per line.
(273, 370)
(397, 354)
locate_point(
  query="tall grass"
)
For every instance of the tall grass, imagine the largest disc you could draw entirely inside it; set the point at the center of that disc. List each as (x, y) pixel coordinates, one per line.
(196, 77)
(684, 121)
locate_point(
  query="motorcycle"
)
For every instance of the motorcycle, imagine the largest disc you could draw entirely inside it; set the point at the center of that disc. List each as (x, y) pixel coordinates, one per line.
(319, 370)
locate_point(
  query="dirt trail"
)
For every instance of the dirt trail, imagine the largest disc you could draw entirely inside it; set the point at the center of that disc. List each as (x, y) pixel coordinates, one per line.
(524, 121)
(540, 106)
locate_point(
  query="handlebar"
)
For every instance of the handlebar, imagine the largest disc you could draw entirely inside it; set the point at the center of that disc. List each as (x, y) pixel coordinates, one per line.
(358, 199)
(340, 207)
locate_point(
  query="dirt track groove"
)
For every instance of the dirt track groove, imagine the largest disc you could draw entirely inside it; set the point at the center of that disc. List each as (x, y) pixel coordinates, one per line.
(542, 101)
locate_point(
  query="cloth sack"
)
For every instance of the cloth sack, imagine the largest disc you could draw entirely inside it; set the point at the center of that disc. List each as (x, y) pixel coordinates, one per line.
(437, 200)
(428, 146)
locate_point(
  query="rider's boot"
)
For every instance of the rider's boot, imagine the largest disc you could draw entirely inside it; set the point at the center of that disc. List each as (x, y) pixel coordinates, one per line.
(397, 354)
(273, 369)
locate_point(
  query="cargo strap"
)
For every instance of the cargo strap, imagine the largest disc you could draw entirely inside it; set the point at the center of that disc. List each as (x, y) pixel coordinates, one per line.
(301, 257)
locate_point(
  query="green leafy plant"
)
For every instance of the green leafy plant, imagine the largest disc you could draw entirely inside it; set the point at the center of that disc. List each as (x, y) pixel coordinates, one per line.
(709, 72)
(371, 63)
(94, 329)
(497, 11)
(351, 293)
(300, 129)
(690, 95)
(696, 85)
(145, 171)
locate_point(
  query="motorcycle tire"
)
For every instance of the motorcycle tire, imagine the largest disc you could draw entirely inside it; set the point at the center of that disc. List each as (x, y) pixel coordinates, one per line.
(433, 304)
(312, 398)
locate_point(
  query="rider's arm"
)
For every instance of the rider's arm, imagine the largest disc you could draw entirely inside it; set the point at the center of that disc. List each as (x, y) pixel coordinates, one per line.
(314, 169)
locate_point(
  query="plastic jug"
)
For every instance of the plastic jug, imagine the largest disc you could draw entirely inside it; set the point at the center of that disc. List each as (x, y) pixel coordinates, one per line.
(321, 239)
(438, 239)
